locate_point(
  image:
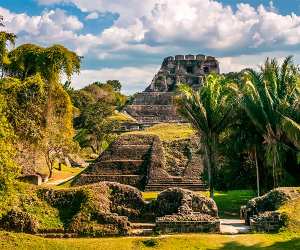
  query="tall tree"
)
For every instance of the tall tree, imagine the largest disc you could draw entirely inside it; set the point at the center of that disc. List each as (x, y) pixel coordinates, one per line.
(270, 99)
(8, 168)
(208, 110)
(50, 64)
(5, 39)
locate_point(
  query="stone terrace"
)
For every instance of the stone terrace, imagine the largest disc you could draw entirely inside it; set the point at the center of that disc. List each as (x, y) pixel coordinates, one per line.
(137, 160)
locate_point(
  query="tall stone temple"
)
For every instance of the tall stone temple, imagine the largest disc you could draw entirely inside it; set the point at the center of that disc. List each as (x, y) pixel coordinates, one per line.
(154, 105)
(145, 161)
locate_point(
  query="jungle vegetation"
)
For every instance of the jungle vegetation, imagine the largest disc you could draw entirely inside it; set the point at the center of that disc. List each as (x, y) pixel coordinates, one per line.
(248, 122)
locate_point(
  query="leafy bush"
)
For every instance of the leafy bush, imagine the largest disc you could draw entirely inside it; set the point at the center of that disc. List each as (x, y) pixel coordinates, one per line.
(19, 221)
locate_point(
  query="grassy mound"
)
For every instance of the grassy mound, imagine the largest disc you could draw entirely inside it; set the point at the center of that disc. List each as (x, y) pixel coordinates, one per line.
(168, 131)
(292, 210)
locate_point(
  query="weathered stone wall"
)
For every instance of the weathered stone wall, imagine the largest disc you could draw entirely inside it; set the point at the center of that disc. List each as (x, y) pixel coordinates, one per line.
(153, 114)
(184, 211)
(267, 222)
(260, 212)
(188, 69)
(153, 98)
(182, 158)
(166, 227)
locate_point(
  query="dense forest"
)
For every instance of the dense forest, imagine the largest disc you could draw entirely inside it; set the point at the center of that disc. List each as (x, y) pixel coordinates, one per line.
(249, 122)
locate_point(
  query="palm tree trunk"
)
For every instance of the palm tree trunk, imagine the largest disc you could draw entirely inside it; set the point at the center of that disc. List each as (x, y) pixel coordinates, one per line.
(257, 173)
(208, 154)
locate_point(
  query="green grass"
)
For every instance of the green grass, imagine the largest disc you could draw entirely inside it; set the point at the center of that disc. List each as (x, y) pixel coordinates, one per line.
(122, 117)
(292, 209)
(25, 198)
(228, 203)
(175, 242)
(168, 131)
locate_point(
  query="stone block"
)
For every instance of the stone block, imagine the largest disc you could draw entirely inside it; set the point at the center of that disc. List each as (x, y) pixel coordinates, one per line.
(179, 57)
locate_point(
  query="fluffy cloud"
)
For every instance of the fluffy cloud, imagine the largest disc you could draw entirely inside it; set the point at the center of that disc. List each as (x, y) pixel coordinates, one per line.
(146, 31)
(91, 16)
(133, 78)
(204, 24)
(53, 26)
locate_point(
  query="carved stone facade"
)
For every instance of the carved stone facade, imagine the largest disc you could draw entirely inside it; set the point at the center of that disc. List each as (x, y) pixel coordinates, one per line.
(189, 69)
(155, 104)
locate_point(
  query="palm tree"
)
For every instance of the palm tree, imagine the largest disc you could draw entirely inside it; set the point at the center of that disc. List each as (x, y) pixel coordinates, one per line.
(270, 98)
(5, 38)
(208, 110)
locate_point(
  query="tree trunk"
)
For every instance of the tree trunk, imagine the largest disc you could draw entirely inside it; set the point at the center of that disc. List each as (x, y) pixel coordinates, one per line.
(209, 171)
(257, 173)
(50, 173)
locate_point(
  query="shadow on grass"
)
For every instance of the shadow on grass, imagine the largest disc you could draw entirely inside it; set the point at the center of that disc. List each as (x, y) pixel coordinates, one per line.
(292, 244)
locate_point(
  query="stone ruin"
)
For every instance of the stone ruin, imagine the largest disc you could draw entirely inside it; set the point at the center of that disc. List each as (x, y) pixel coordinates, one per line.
(183, 211)
(140, 161)
(155, 104)
(108, 208)
(261, 213)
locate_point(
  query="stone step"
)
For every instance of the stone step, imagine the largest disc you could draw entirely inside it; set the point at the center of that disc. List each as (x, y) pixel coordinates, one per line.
(58, 235)
(196, 187)
(136, 152)
(142, 225)
(176, 182)
(233, 226)
(121, 167)
(132, 180)
(141, 232)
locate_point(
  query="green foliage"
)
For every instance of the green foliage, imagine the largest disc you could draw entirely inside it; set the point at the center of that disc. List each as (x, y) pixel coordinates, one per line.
(8, 169)
(26, 106)
(5, 38)
(209, 111)
(270, 98)
(95, 105)
(116, 84)
(40, 110)
(94, 129)
(30, 59)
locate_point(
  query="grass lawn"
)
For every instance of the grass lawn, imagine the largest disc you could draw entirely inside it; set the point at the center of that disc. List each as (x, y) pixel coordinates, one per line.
(122, 117)
(168, 131)
(229, 203)
(185, 241)
(66, 172)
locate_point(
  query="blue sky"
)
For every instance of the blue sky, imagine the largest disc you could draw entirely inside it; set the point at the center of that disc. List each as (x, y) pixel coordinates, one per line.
(127, 40)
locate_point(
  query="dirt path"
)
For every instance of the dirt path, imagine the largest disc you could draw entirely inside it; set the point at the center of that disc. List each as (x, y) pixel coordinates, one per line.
(234, 226)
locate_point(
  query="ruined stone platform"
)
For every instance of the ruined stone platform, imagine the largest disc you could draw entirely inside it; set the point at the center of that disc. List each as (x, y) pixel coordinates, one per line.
(139, 160)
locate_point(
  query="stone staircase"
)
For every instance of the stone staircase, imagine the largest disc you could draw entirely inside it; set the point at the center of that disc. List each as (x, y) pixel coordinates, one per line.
(142, 229)
(233, 226)
(56, 233)
(169, 183)
(136, 160)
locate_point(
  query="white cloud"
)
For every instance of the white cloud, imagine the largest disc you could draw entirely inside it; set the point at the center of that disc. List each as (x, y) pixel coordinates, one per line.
(157, 28)
(53, 26)
(92, 15)
(133, 79)
(206, 24)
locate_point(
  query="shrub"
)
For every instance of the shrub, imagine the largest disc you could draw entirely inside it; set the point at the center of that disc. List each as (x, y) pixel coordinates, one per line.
(19, 221)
